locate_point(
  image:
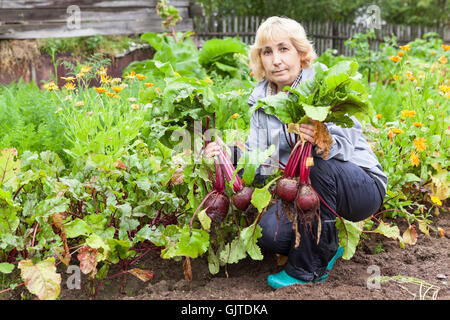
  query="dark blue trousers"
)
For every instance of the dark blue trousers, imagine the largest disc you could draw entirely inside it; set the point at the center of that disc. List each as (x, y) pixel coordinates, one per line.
(348, 190)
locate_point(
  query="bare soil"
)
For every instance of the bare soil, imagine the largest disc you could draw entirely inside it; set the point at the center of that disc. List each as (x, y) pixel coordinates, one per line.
(419, 272)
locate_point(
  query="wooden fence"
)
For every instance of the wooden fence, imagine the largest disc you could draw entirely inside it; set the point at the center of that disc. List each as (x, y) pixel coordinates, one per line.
(324, 35)
(31, 19)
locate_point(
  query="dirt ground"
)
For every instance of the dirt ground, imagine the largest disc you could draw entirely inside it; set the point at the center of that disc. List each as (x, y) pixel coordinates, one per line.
(419, 272)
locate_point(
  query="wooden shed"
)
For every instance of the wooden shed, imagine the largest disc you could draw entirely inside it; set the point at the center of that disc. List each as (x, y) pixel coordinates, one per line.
(32, 19)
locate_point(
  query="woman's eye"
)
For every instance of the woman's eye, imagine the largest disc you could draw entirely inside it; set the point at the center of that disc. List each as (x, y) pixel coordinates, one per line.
(266, 52)
(284, 49)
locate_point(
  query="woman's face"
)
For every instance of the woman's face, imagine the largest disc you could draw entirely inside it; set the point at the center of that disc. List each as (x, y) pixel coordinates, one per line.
(281, 62)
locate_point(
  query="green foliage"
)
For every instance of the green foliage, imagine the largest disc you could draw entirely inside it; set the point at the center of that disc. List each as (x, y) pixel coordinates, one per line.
(117, 171)
(332, 96)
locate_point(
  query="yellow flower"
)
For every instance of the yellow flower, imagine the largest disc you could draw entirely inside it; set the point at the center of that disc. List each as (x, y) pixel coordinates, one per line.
(400, 53)
(68, 79)
(177, 74)
(208, 80)
(414, 159)
(379, 116)
(432, 52)
(104, 78)
(148, 84)
(395, 58)
(70, 86)
(436, 200)
(417, 124)
(420, 144)
(443, 60)
(51, 86)
(117, 89)
(234, 116)
(102, 71)
(406, 47)
(395, 77)
(131, 75)
(140, 76)
(397, 131)
(445, 47)
(444, 88)
(158, 89)
(100, 90)
(85, 69)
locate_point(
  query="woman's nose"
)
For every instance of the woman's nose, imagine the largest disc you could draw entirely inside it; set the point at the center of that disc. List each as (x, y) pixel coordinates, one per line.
(276, 59)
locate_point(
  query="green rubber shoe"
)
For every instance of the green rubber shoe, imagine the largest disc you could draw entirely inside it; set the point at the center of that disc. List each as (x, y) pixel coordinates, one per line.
(339, 253)
(282, 279)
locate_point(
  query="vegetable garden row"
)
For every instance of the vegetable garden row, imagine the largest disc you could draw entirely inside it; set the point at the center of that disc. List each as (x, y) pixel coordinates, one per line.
(97, 176)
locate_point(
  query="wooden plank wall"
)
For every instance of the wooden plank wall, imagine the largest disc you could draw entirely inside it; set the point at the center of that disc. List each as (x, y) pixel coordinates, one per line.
(31, 19)
(324, 35)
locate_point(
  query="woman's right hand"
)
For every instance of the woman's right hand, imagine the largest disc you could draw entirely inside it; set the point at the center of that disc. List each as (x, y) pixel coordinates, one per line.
(212, 149)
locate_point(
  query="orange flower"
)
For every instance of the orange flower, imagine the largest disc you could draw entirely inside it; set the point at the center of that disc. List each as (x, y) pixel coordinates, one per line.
(400, 53)
(417, 124)
(390, 134)
(100, 90)
(406, 47)
(445, 47)
(140, 76)
(158, 89)
(408, 113)
(414, 158)
(251, 74)
(432, 52)
(379, 116)
(395, 77)
(420, 144)
(234, 116)
(148, 84)
(443, 60)
(112, 95)
(395, 58)
(397, 131)
(117, 89)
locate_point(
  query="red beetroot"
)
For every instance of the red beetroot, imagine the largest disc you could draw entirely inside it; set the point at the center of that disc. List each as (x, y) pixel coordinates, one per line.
(217, 207)
(287, 189)
(242, 199)
(307, 198)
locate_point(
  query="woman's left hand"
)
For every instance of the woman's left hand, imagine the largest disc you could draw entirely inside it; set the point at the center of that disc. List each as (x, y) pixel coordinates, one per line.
(307, 131)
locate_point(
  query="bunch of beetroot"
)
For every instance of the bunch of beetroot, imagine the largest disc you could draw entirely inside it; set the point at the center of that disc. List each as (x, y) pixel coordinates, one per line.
(295, 188)
(216, 202)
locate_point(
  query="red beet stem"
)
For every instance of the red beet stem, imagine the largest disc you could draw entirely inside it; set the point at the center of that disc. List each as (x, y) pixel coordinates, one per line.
(228, 170)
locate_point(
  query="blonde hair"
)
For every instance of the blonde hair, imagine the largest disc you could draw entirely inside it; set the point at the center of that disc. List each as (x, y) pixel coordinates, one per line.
(274, 28)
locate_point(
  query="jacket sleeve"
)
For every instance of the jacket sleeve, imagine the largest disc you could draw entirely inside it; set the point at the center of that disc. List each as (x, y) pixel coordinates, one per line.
(344, 140)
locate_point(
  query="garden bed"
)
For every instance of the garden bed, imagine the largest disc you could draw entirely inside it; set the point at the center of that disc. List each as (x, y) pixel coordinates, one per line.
(417, 272)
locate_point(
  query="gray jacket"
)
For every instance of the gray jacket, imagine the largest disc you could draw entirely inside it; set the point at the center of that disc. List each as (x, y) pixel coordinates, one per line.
(349, 144)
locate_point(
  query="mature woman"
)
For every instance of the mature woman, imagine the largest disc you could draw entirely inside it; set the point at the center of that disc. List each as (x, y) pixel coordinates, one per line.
(350, 180)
